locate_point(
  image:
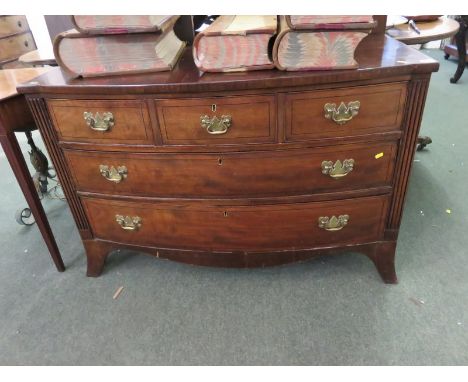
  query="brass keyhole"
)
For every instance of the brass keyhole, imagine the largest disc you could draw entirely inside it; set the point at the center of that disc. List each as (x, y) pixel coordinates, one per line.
(213, 108)
(220, 161)
(225, 214)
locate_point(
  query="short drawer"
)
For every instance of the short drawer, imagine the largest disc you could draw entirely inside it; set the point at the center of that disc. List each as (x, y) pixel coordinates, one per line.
(269, 173)
(14, 46)
(239, 228)
(226, 120)
(13, 24)
(101, 121)
(347, 112)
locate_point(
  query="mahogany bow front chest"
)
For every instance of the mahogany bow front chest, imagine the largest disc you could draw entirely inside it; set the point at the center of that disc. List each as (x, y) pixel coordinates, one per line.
(239, 169)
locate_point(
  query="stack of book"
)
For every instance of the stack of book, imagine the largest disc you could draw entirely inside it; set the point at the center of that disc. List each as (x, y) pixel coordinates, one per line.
(104, 45)
(236, 43)
(319, 42)
(239, 43)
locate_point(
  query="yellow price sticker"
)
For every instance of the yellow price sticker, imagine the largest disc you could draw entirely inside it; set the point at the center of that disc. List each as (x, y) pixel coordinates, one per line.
(378, 156)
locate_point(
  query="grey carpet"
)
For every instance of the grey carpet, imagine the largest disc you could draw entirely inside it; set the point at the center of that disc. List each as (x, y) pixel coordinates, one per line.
(330, 311)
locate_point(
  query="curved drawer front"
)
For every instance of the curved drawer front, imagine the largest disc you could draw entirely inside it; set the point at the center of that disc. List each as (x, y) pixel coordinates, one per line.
(281, 173)
(14, 46)
(101, 121)
(223, 120)
(239, 228)
(344, 112)
(12, 25)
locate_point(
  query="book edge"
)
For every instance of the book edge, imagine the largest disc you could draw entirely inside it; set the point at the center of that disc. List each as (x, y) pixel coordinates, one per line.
(161, 28)
(72, 33)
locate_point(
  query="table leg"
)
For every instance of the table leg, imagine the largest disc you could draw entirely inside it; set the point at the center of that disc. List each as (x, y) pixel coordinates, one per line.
(423, 141)
(15, 157)
(460, 39)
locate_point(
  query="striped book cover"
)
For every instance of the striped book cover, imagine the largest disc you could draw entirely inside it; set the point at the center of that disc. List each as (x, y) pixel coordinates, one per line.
(322, 22)
(235, 43)
(99, 55)
(99, 24)
(316, 50)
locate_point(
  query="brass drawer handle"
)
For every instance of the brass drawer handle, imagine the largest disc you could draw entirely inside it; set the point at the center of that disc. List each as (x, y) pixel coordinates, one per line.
(113, 174)
(344, 113)
(216, 125)
(98, 122)
(128, 223)
(334, 223)
(337, 170)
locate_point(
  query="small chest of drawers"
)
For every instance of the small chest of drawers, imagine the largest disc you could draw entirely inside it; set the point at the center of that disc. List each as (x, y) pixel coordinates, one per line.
(15, 40)
(240, 170)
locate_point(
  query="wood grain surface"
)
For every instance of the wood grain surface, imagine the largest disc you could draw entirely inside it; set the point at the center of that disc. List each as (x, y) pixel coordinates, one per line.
(228, 175)
(238, 228)
(253, 119)
(131, 121)
(381, 110)
(379, 57)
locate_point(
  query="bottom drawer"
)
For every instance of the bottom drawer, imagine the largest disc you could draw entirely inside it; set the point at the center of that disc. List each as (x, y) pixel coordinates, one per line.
(238, 228)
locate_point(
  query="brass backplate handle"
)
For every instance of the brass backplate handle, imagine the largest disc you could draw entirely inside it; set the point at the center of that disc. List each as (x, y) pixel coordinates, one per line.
(334, 223)
(216, 125)
(342, 114)
(113, 174)
(128, 223)
(99, 122)
(337, 170)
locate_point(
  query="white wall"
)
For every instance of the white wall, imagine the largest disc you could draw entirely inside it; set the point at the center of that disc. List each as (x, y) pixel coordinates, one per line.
(39, 30)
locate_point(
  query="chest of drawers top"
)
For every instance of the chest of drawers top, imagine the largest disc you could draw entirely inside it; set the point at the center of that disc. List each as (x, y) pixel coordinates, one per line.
(379, 58)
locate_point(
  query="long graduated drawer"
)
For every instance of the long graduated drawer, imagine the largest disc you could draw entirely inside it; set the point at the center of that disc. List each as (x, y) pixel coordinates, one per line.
(289, 172)
(238, 228)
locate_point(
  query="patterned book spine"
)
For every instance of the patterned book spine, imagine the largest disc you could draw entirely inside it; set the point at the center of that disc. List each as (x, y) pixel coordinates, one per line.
(99, 55)
(318, 50)
(98, 24)
(312, 22)
(233, 53)
(235, 43)
(296, 50)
